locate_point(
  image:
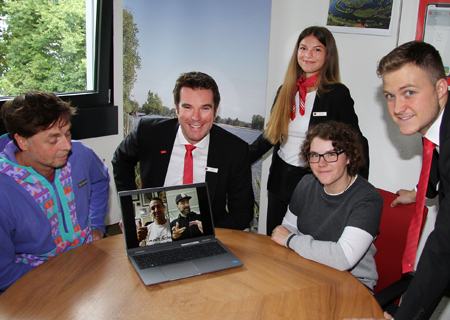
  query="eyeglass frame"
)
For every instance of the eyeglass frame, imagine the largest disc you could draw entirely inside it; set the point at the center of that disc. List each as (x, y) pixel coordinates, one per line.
(338, 153)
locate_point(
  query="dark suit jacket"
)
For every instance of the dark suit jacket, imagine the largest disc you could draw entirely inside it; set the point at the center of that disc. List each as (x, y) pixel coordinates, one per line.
(151, 143)
(337, 104)
(433, 271)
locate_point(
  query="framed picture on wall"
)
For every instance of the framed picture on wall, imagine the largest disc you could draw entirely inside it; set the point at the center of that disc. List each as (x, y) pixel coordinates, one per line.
(369, 17)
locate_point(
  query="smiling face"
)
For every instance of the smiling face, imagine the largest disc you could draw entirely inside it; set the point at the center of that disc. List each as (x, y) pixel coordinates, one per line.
(311, 55)
(195, 113)
(157, 210)
(46, 150)
(332, 175)
(414, 103)
(184, 206)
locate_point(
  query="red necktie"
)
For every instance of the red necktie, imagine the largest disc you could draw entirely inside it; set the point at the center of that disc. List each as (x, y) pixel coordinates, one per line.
(301, 88)
(412, 240)
(188, 175)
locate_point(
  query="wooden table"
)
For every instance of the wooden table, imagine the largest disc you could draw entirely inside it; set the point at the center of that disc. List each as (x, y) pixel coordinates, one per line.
(96, 281)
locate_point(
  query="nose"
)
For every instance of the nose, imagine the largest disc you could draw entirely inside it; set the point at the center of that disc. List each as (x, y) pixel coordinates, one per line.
(308, 53)
(66, 143)
(322, 161)
(399, 105)
(196, 116)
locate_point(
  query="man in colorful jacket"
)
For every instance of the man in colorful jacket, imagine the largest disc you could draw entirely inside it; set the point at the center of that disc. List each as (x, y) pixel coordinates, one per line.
(54, 191)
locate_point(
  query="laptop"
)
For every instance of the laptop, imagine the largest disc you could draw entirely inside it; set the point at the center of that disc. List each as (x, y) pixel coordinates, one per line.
(201, 252)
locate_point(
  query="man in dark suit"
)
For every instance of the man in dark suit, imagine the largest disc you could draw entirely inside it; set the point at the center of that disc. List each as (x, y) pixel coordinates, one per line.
(219, 158)
(416, 90)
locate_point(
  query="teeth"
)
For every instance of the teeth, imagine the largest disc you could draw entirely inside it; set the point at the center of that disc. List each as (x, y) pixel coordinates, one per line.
(195, 126)
(405, 118)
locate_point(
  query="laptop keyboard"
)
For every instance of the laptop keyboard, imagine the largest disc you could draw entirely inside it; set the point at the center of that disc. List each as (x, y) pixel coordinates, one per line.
(186, 253)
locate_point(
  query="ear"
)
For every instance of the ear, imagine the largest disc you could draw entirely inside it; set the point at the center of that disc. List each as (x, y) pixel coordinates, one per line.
(441, 88)
(21, 142)
(176, 110)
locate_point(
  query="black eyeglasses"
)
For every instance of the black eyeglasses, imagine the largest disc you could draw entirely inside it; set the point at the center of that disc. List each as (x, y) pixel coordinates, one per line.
(329, 157)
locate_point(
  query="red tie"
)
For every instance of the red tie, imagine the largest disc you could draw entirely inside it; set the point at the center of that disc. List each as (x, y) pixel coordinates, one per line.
(412, 240)
(188, 176)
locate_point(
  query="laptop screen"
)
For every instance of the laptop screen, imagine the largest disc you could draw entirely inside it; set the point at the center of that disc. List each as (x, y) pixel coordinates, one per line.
(157, 216)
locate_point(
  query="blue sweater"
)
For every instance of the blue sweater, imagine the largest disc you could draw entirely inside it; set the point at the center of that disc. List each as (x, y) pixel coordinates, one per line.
(24, 227)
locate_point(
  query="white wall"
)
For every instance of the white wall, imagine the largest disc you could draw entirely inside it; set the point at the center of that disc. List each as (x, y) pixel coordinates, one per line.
(105, 146)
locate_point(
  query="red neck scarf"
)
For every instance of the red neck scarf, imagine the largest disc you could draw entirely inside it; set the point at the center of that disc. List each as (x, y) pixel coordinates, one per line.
(301, 88)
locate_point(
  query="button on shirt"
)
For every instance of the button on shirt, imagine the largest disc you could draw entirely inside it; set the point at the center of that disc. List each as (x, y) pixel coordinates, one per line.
(175, 170)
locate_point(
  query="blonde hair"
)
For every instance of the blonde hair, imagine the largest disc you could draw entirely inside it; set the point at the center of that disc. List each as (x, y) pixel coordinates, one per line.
(277, 127)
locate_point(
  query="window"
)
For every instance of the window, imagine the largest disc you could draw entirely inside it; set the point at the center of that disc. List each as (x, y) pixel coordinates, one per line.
(73, 58)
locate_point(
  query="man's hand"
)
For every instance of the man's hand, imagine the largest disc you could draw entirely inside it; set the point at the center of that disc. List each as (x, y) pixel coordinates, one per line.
(280, 234)
(141, 232)
(96, 235)
(386, 316)
(200, 225)
(404, 197)
(177, 232)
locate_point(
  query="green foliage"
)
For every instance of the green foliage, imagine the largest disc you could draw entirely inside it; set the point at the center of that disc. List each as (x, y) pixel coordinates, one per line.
(131, 58)
(153, 105)
(257, 122)
(166, 112)
(130, 107)
(44, 47)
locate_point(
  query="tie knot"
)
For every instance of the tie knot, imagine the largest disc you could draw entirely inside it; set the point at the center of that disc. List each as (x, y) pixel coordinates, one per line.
(189, 147)
(427, 144)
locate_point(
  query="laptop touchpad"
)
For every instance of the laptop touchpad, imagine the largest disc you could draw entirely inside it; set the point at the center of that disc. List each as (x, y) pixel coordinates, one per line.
(180, 271)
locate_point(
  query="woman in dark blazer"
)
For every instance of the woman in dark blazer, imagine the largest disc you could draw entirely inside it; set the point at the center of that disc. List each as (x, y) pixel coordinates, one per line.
(311, 93)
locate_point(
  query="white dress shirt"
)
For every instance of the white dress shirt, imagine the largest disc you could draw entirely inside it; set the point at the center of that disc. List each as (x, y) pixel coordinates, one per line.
(175, 170)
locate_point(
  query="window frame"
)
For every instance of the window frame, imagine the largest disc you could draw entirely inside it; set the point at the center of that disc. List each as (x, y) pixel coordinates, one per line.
(97, 115)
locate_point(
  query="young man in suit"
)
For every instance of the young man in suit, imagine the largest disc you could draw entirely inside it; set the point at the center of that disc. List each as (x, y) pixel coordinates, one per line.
(219, 157)
(416, 91)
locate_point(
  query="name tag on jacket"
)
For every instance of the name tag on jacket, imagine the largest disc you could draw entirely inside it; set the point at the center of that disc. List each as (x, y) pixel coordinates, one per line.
(319, 114)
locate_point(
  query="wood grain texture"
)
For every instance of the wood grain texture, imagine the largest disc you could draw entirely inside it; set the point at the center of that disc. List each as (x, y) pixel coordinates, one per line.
(96, 281)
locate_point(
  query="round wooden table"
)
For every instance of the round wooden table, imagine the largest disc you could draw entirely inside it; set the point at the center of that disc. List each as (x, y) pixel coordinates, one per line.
(96, 281)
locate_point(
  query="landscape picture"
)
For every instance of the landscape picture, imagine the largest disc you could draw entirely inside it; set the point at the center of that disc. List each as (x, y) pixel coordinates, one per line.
(360, 13)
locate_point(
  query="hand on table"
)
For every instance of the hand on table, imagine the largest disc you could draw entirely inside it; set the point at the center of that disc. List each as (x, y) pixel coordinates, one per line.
(96, 235)
(386, 316)
(404, 197)
(280, 234)
(177, 231)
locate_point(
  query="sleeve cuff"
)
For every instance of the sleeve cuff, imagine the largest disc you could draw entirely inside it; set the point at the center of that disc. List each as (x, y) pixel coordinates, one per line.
(288, 240)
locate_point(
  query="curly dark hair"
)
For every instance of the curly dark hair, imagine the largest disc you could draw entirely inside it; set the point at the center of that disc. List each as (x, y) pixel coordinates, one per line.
(343, 138)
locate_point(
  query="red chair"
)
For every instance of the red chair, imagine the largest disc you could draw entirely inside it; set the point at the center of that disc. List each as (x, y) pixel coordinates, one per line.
(390, 245)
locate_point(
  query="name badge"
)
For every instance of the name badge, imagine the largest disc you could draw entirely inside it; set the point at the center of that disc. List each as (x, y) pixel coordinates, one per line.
(209, 169)
(320, 114)
(82, 183)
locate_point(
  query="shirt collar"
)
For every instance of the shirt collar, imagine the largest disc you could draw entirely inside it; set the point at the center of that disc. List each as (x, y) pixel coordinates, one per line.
(433, 132)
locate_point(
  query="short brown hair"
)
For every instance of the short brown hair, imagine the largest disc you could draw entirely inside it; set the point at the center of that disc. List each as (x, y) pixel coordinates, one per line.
(33, 112)
(196, 80)
(418, 53)
(343, 138)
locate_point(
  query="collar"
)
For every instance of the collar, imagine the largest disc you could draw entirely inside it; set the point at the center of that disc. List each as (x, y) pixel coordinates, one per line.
(434, 131)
